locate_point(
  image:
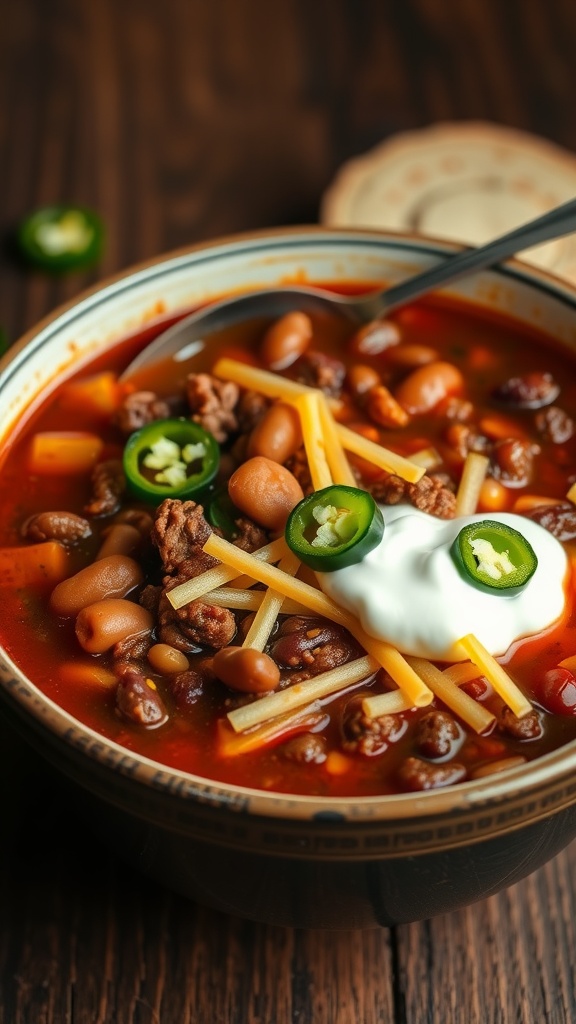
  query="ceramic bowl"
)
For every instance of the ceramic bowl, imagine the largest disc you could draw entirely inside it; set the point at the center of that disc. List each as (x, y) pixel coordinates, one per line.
(290, 860)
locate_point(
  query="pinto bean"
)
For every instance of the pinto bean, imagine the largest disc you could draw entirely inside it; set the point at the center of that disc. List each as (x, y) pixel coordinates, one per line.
(265, 491)
(374, 338)
(278, 435)
(493, 767)
(411, 355)
(361, 379)
(167, 660)
(114, 577)
(245, 669)
(101, 625)
(286, 340)
(65, 527)
(119, 539)
(425, 387)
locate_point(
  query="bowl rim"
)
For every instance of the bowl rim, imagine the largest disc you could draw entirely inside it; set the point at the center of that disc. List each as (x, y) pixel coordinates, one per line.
(16, 688)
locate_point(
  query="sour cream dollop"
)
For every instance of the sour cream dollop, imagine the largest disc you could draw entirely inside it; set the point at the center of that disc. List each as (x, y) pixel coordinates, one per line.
(408, 591)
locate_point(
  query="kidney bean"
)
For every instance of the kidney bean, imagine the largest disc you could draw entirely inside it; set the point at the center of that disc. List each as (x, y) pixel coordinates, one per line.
(167, 660)
(374, 338)
(512, 461)
(531, 391)
(425, 387)
(314, 645)
(555, 425)
(104, 623)
(286, 340)
(186, 688)
(114, 576)
(278, 435)
(138, 700)
(361, 379)
(119, 539)
(245, 669)
(559, 520)
(556, 691)
(265, 491)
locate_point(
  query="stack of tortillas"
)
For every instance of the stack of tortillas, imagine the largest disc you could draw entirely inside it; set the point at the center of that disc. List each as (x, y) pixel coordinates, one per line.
(467, 182)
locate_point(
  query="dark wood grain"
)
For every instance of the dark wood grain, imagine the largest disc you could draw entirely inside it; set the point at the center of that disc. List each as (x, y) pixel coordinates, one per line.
(180, 120)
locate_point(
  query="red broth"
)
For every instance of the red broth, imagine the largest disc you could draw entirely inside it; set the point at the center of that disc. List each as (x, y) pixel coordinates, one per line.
(487, 351)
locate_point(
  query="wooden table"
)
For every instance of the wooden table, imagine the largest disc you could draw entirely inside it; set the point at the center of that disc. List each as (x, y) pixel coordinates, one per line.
(182, 120)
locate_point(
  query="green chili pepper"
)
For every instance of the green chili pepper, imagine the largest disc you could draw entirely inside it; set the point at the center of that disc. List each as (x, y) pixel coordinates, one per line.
(494, 557)
(222, 513)
(172, 458)
(334, 527)
(61, 238)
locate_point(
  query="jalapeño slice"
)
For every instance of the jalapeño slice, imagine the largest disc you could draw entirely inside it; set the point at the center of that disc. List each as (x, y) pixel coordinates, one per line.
(172, 458)
(61, 238)
(494, 557)
(334, 527)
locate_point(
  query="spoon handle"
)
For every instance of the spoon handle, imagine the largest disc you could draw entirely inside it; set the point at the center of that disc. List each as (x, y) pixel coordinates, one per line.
(557, 222)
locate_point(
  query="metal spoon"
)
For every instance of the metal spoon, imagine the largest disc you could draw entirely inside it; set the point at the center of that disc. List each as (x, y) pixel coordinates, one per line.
(186, 337)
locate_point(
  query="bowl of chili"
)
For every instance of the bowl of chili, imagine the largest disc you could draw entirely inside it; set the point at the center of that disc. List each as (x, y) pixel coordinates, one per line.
(403, 783)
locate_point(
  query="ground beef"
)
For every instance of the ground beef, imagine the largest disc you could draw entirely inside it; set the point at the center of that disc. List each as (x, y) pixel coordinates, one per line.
(298, 466)
(305, 749)
(212, 404)
(133, 648)
(416, 775)
(250, 536)
(463, 439)
(139, 409)
(137, 698)
(529, 727)
(179, 532)
(250, 410)
(437, 734)
(195, 625)
(318, 370)
(429, 494)
(65, 527)
(108, 486)
(369, 736)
